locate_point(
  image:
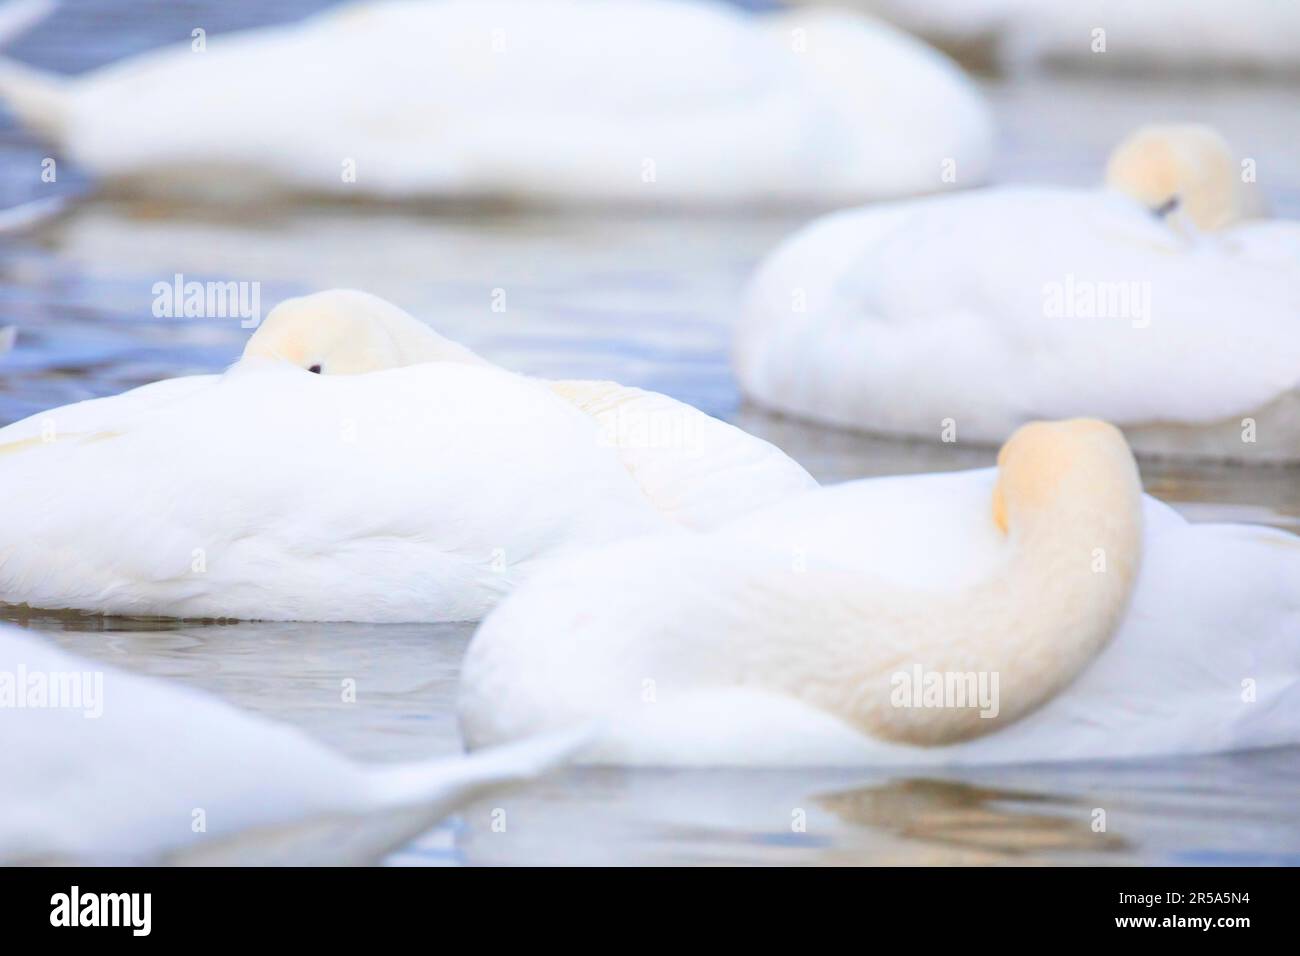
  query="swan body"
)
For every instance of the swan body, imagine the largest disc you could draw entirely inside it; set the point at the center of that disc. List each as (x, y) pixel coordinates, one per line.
(122, 770)
(1150, 36)
(650, 101)
(410, 481)
(1001, 306)
(782, 638)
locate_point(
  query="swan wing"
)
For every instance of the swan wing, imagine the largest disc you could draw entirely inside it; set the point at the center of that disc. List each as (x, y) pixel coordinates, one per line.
(1206, 657)
(133, 769)
(421, 493)
(101, 414)
(128, 765)
(994, 308)
(698, 471)
(562, 100)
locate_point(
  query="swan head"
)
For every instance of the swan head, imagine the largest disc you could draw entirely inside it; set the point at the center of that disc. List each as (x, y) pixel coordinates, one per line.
(1047, 465)
(346, 332)
(1180, 169)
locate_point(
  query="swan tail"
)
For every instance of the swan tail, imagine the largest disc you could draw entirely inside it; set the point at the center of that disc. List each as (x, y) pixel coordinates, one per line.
(30, 215)
(39, 99)
(19, 16)
(419, 796)
(406, 802)
(440, 786)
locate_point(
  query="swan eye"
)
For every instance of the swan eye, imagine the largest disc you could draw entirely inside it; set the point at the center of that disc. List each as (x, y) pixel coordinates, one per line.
(1165, 208)
(315, 369)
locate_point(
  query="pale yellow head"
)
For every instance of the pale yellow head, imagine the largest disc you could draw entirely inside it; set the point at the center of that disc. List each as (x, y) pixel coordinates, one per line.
(346, 332)
(1045, 467)
(1181, 170)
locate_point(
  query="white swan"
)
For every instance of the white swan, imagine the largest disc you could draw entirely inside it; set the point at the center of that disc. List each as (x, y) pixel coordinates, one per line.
(650, 101)
(1150, 36)
(814, 632)
(420, 491)
(1151, 303)
(125, 769)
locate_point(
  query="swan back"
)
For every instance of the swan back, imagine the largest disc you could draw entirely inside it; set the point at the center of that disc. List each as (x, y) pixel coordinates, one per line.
(678, 102)
(1053, 546)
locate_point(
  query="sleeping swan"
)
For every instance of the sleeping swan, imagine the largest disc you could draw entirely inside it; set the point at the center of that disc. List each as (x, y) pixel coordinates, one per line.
(410, 480)
(117, 771)
(628, 101)
(1151, 36)
(1042, 610)
(1155, 303)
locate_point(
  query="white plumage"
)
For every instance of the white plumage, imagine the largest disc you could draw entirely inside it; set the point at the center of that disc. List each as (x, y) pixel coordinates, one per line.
(1002, 306)
(421, 489)
(733, 647)
(648, 101)
(1150, 36)
(130, 769)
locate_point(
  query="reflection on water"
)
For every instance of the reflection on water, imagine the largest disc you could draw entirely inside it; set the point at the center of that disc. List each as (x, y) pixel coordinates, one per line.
(960, 818)
(1237, 808)
(648, 300)
(1230, 809)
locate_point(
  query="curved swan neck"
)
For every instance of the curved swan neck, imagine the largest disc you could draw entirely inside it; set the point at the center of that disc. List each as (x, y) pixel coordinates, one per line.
(1187, 166)
(1073, 502)
(344, 331)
